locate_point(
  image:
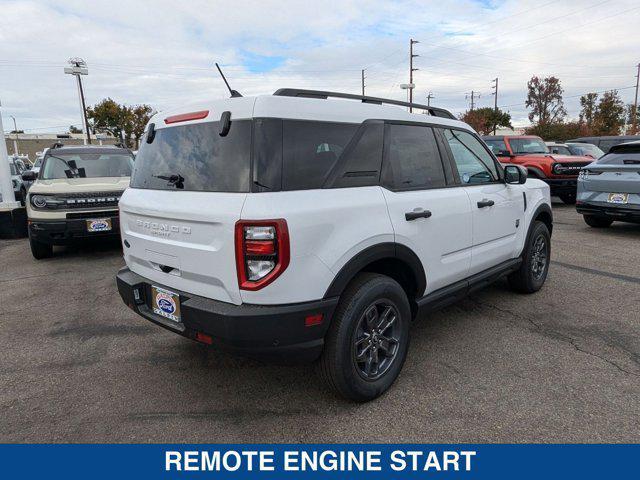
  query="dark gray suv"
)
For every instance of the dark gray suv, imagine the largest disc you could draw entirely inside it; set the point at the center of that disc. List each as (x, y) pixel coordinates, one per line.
(609, 188)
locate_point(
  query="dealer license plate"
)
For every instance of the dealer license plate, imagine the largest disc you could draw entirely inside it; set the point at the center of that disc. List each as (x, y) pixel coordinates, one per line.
(99, 225)
(165, 303)
(619, 198)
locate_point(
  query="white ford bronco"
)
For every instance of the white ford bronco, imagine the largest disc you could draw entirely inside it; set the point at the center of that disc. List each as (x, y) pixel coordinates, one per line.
(318, 225)
(75, 195)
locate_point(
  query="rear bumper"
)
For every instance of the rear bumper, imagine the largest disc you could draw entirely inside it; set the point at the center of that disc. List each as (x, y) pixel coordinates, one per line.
(562, 186)
(264, 331)
(624, 213)
(66, 231)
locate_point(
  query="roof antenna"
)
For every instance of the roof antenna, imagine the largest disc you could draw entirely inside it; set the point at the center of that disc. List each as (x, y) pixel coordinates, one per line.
(234, 93)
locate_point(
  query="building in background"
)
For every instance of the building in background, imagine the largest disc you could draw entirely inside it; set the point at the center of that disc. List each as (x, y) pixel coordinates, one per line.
(30, 143)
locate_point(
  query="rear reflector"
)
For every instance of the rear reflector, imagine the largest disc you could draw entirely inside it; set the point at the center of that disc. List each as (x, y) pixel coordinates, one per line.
(312, 320)
(259, 247)
(204, 338)
(185, 117)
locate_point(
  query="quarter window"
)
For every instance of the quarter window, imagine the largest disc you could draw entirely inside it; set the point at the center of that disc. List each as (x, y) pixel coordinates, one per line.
(474, 163)
(310, 150)
(412, 158)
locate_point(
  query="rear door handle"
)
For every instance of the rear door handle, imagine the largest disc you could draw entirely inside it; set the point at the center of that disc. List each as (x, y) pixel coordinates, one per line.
(485, 203)
(420, 214)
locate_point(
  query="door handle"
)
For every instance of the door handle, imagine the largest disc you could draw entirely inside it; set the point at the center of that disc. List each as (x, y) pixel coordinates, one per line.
(485, 203)
(420, 214)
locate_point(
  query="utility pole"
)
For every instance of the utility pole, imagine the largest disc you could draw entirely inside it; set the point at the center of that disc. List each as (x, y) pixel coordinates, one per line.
(412, 42)
(79, 68)
(472, 96)
(15, 140)
(429, 97)
(363, 82)
(495, 104)
(634, 119)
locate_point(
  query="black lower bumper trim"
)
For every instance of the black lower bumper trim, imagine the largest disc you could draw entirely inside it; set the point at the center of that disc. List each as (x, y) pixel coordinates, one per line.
(265, 331)
(562, 186)
(66, 231)
(624, 213)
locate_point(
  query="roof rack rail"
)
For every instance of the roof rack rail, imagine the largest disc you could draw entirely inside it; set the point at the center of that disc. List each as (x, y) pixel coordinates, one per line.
(56, 145)
(296, 92)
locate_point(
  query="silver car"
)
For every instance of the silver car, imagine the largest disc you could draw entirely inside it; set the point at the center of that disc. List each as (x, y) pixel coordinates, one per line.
(20, 186)
(609, 188)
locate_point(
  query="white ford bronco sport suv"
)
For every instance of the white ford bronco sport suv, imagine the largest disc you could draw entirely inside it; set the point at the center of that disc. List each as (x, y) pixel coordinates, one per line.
(299, 225)
(75, 195)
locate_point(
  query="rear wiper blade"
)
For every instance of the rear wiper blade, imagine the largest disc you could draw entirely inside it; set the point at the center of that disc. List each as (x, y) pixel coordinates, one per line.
(174, 179)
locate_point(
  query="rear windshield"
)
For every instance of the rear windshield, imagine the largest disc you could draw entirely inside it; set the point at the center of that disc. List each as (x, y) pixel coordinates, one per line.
(196, 158)
(87, 165)
(620, 159)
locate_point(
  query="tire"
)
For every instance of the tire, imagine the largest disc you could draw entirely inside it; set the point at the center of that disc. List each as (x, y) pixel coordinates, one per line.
(40, 250)
(533, 271)
(597, 222)
(357, 328)
(568, 198)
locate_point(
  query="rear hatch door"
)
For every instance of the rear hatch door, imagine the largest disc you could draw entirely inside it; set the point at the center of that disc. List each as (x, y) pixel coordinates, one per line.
(187, 192)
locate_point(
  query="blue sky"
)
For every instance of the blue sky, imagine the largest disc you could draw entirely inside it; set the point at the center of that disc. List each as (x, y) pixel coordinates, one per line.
(162, 52)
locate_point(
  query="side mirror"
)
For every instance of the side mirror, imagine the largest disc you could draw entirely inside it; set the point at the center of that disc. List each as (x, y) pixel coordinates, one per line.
(515, 174)
(29, 176)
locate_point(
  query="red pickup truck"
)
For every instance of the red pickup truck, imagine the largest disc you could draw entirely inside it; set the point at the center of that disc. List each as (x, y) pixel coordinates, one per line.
(559, 171)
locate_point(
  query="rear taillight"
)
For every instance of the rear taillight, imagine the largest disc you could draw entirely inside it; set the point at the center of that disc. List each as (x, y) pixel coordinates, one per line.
(262, 252)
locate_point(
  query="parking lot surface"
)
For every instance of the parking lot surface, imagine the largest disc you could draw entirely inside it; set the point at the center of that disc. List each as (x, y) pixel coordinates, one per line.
(561, 365)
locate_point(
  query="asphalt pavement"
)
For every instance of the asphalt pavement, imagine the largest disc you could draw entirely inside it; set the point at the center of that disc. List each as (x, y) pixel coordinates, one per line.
(562, 365)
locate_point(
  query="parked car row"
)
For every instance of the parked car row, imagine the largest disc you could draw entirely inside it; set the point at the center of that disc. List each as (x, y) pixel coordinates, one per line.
(560, 172)
(295, 225)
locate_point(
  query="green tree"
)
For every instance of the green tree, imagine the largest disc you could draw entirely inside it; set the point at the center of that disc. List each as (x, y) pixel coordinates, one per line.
(610, 115)
(73, 129)
(589, 108)
(484, 119)
(559, 132)
(121, 121)
(544, 98)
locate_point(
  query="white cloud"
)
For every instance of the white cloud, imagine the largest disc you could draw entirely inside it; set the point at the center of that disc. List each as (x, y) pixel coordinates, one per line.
(161, 52)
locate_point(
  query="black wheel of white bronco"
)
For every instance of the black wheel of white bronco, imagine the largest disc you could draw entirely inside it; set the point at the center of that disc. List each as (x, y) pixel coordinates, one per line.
(40, 250)
(532, 273)
(367, 342)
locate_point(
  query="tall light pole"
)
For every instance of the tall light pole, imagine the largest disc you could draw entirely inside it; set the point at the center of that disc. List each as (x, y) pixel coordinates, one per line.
(78, 68)
(15, 140)
(7, 197)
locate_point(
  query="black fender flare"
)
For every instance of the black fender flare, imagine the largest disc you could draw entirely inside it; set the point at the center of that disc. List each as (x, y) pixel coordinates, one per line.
(371, 254)
(541, 208)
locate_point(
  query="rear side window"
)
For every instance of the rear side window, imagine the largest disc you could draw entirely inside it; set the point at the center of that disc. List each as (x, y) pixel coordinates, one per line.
(310, 150)
(196, 158)
(412, 159)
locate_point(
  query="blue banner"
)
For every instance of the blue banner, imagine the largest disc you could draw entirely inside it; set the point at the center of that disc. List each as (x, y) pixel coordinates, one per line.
(272, 462)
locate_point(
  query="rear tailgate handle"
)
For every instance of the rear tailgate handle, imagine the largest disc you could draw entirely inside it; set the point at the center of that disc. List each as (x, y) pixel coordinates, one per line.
(485, 203)
(419, 214)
